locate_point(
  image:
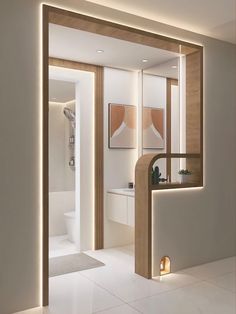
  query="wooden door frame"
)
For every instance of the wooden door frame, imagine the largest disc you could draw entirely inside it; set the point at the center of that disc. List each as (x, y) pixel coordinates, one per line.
(90, 24)
(98, 140)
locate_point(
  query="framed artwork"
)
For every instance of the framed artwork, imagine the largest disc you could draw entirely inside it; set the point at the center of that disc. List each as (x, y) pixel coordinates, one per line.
(122, 126)
(153, 128)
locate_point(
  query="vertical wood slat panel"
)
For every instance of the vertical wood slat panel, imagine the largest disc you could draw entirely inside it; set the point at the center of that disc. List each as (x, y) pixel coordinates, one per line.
(143, 216)
(193, 103)
(99, 161)
(170, 82)
(168, 126)
(194, 113)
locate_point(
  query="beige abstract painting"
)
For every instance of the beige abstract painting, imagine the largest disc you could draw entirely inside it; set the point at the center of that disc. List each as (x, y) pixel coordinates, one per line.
(153, 127)
(122, 126)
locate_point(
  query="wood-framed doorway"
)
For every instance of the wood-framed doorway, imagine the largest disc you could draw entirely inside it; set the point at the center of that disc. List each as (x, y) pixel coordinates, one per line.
(98, 139)
(98, 149)
(82, 22)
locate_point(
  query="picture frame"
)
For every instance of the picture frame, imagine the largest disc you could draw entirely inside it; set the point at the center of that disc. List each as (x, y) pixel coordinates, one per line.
(121, 126)
(153, 128)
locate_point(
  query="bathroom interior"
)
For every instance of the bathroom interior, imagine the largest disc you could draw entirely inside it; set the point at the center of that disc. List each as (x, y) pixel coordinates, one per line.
(62, 166)
(144, 107)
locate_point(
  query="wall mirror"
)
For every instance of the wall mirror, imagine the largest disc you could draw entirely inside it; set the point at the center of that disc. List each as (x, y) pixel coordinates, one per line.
(172, 116)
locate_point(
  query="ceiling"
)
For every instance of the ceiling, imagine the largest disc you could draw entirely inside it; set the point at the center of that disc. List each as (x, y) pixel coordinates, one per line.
(214, 18)
(61, 91)
(76, 45)
(167, 69)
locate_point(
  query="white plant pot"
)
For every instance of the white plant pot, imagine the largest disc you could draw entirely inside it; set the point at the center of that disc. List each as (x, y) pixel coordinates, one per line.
(185, 178)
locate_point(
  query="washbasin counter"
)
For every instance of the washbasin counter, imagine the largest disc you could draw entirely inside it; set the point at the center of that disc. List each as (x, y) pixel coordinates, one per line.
(120, 206)
(122, 191)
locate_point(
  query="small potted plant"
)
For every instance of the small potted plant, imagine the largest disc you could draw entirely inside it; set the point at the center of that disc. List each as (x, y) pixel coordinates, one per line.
(184, 173)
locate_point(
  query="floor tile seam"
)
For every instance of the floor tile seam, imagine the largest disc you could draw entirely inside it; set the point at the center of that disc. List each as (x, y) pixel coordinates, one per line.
(106, 309)
(113, 307)
(221, 288)
(106, 289)
(129, 304)
(115, 295)
(103, 288)
(166, 291)
(205, 278)
(151, 295)
(195, 306)
(224, 274)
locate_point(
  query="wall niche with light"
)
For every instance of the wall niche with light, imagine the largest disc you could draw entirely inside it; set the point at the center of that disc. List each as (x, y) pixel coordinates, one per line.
(165, 266)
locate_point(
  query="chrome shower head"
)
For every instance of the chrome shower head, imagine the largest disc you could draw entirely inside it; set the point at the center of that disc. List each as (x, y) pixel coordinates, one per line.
(70, 115)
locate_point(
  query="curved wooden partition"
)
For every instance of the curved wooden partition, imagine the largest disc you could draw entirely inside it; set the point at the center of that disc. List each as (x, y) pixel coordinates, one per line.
(143, 206)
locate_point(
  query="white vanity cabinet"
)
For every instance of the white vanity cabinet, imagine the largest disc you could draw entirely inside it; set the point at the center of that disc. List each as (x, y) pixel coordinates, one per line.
(120, 208)
(130, 211)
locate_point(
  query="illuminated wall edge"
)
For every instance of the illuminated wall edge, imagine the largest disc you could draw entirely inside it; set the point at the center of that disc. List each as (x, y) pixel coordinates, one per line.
(125, 24)
(40, 114)
(178, 190)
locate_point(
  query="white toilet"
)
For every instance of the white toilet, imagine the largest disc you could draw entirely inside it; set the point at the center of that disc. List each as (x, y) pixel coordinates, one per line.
(70, 225)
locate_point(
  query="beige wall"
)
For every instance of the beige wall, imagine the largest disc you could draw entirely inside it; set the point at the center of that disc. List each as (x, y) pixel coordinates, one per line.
(199, 225)
(20, 146)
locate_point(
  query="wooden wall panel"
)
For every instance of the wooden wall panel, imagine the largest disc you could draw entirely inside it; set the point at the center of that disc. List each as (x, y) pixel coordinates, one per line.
(143, 216)
(170, 82)
(193, 103)
(194, 112)
(99, 149)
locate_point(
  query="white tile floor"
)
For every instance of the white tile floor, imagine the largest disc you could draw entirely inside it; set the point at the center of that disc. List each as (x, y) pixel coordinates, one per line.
(115, 289)
(60, 245)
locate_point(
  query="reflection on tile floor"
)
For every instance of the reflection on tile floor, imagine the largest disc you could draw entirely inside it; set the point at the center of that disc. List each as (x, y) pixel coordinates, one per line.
(115, 289)
(60, 245)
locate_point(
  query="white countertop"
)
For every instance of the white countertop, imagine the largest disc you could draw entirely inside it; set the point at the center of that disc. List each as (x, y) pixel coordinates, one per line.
(124, 191)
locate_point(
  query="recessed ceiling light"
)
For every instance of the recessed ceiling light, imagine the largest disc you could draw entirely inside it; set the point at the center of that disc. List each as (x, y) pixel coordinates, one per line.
(100, 51)
(54, 98)
(145, 60)
(174, 66)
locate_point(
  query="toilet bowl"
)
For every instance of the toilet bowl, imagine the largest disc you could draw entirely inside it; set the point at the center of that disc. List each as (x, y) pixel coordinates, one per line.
(70, 225)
